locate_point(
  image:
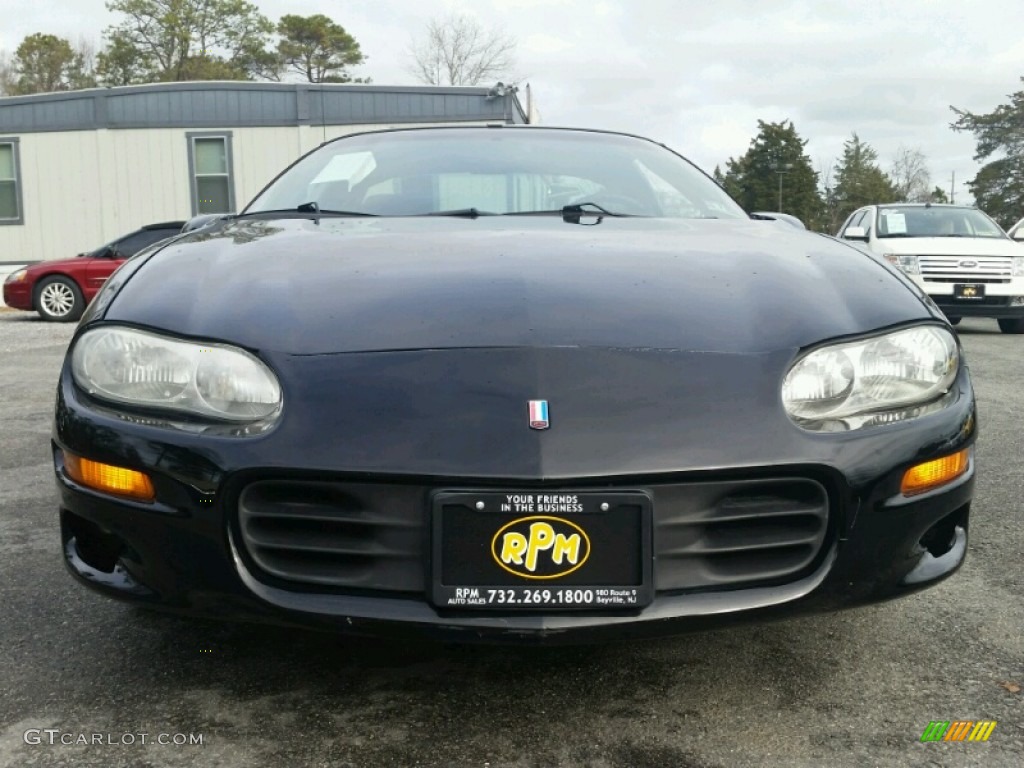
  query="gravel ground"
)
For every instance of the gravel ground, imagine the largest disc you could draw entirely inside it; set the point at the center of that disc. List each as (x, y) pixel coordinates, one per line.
(25, 333)
(851, 689)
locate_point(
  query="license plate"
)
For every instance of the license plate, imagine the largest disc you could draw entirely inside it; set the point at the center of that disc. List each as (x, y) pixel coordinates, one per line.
(541, 551)
(969, 291)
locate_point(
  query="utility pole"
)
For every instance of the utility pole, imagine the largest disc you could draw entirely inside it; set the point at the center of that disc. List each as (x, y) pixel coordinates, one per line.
(952, 189)
(782, 169)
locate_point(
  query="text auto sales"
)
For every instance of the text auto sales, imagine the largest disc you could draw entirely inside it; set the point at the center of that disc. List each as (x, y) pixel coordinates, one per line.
(541, 503)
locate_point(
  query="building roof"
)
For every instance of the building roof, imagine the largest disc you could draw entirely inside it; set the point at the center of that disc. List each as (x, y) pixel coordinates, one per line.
(206, 104)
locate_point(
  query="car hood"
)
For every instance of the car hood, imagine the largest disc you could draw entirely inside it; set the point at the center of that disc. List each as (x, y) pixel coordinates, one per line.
(344, 285)
(950, 246)
(59, 265)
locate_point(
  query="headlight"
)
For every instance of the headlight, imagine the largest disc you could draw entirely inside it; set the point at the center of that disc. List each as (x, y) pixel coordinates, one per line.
(835, 385)
(144, 369)
(904, 262)
(16, 277)
(1018, 266)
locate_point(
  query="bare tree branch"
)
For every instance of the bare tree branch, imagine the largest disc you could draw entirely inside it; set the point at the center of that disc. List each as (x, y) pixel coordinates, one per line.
(910, 176)
(8, 77)
(457, 50)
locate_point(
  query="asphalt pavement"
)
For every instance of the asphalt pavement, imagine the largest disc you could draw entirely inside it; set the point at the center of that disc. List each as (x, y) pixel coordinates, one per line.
(86, 681)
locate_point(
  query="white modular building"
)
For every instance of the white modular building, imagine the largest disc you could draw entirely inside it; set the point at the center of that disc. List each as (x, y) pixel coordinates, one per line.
(81, 168)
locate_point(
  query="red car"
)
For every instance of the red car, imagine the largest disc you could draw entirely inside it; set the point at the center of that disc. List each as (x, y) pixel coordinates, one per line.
(59, 290)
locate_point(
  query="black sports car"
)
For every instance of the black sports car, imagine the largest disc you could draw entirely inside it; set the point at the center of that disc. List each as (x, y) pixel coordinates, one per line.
(515, 384)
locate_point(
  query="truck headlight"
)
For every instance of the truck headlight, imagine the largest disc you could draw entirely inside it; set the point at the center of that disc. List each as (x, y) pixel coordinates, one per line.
(903, 262)
(835, 386)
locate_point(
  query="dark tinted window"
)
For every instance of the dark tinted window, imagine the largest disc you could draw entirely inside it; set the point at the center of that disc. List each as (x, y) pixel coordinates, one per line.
(10, 184)
(136, 241)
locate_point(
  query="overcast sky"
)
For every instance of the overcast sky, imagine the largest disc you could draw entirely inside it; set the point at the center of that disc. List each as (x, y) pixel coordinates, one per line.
(698, 74)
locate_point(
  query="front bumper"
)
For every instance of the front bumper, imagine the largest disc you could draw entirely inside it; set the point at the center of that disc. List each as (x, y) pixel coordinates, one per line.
(185, 553)
(997, 307)
(18, 295)
(1001, 300)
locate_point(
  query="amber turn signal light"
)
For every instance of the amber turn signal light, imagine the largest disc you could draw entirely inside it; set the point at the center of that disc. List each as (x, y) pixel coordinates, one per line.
(109, 479)
(932, 474)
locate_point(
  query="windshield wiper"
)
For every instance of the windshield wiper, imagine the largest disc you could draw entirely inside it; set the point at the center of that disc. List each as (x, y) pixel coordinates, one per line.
(576, 209)
(466, 213)
(307, 208)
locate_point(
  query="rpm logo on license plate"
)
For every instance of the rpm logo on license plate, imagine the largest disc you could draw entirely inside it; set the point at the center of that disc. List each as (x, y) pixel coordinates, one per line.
(560, 551)
(540, 547)
(969, 291)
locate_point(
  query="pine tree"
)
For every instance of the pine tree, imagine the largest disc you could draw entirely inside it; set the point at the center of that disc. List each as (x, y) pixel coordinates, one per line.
(776, 175)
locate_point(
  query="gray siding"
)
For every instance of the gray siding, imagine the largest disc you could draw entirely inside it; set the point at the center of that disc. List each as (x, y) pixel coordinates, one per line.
(239, 104)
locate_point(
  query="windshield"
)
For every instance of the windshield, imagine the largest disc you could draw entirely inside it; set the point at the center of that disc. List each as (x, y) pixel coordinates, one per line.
(935, 221)
(496, 170)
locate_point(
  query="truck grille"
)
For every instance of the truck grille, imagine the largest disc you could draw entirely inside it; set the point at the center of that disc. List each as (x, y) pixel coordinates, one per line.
(374, 537)
(973, 269)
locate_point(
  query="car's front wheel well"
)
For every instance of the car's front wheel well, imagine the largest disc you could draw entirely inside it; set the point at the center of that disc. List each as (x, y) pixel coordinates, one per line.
(58, 296)
(39, 284)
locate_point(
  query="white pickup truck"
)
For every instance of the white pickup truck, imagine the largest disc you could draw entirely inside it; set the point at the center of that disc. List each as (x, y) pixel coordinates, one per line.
(956, 253)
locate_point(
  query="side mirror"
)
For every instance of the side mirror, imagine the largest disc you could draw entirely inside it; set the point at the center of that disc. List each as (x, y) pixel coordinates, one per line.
(786, 218)
(203, 220)
(855, 233)
(1018, 234)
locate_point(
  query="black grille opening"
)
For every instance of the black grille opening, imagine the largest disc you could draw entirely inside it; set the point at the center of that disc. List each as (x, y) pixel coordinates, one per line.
(351, 535)
(99, 549)
(735, 534)
(773, 531)
(941, 537)
(292, 500)
(373, 538)
(327, 568)
(772, 563)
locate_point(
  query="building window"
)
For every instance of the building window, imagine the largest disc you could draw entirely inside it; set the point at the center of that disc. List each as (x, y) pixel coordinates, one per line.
(10, 183)
(212, 181)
